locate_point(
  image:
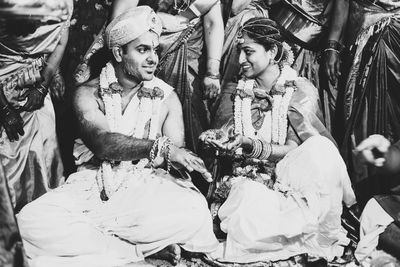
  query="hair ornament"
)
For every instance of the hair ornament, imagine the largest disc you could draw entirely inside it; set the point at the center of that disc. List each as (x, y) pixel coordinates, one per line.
(288, 56)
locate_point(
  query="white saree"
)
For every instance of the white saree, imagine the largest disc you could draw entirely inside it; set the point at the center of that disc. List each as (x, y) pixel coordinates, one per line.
(302, 213)
(72, 226)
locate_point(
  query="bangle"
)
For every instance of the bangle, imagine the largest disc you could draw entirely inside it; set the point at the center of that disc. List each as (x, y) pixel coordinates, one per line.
(216, 59)
(161, 147)
(168, 158)
(6, 109)
(266, 150)
(6, 106)
(334, 45)
(256, 148)
(165, 151)
(153, 154)
(42, 89)
(331, 49)
(213, 76)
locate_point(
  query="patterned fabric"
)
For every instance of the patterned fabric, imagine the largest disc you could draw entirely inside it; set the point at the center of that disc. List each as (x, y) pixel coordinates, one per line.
(33, 163)
(371, 95)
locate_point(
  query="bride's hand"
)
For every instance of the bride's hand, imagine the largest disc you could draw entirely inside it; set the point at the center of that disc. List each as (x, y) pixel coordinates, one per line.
(209, 137)
(234, 143)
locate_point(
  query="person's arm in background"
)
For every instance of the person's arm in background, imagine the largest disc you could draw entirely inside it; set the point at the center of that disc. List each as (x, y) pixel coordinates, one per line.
(376, 150)
(119, 6)
(9, 117)
(392, 159)
(214, 39)
(239, 5)
(35, 98)
(333, 47)
(50, 72)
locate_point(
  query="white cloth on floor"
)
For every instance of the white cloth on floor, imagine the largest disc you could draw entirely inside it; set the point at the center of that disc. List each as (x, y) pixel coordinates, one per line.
(373, 222)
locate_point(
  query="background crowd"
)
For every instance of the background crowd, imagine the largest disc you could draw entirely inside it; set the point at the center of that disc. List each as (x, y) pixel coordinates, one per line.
(348, 49)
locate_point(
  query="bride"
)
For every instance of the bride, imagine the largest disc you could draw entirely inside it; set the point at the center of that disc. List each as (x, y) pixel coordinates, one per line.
(282, 192)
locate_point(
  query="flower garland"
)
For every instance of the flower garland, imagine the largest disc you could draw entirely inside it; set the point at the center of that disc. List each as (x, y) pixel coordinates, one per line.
(110, 178)
(274, 129)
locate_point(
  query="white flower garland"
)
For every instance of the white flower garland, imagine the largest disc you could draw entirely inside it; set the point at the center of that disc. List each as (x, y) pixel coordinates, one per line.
(275, 121)
(238, 109)
(108, 178)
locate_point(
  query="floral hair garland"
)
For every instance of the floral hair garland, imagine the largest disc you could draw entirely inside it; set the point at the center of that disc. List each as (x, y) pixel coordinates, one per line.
(110, 179)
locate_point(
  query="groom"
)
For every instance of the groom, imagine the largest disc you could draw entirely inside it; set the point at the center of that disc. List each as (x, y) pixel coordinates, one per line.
(114, 210)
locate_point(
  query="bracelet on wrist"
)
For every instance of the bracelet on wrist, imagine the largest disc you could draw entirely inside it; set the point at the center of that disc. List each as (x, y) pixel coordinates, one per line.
(266, 150)
(165, 151)
(332, 44)
(5, 111)
(161, 148)
(6, 106)
(42, 89)
(216, 59)
(153, 152)
(213, 76)
(256, 149)
(331, 49)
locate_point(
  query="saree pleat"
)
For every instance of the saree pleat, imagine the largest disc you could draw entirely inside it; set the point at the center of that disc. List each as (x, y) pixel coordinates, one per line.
(374, 105)
(179, 67)
(174, 69)
(11, 250)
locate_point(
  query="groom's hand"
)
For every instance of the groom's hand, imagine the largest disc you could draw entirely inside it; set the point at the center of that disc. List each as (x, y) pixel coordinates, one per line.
(190, 161)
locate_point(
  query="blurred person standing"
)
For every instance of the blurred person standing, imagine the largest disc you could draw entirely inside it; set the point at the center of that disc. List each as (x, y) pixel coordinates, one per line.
(371, 99)
(33, 36)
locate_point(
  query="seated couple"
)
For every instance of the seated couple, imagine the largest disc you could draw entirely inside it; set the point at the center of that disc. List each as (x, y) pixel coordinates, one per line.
(123, 204)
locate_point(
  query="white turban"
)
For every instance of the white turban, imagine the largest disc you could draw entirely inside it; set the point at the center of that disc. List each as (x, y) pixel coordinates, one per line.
(131, 24)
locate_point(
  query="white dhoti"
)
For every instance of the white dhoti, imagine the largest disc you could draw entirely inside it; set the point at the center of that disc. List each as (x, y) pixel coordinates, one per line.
(264, 224)
(149, 210)
(373, 222)
(72, 226)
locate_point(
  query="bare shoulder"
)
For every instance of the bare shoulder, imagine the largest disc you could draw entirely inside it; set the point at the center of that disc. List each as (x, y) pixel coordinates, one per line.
(205, 5)
(173, 104)
(172, 100)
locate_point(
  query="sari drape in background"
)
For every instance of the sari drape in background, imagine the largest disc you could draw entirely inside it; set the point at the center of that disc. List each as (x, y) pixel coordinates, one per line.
(179, 67)
(372, 92)
(32, 164)
(11, 249)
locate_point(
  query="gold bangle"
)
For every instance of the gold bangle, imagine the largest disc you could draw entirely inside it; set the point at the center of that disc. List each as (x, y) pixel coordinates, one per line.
(332, 49)
(213, 76)
(42, 89)
(211, 58)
